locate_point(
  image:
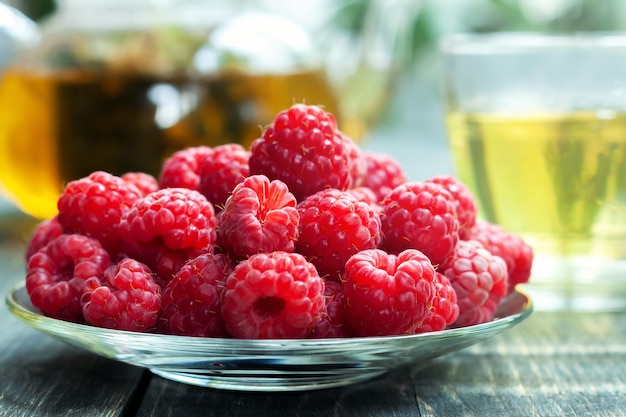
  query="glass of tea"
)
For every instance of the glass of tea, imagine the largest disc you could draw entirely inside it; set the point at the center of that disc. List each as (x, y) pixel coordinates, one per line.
(537, 129)
(119, 85)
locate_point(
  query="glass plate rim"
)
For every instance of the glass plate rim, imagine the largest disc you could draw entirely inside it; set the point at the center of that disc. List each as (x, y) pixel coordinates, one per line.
(27, 313)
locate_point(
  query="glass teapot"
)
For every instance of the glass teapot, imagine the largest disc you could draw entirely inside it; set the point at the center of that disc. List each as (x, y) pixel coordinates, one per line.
(119, 85)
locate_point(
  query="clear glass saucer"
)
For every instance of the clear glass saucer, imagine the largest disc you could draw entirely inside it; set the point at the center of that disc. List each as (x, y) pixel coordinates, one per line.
(267, 365)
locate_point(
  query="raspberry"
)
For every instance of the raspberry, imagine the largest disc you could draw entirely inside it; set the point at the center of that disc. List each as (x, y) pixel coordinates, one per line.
(445, 308)
(385, 294)
(480, 280)
(44, 233)
(273, 295)
(227, 167)
(56, 274)
(145, 183)
(259, 216)
(191, 301)
(94, 206)
(463, 201)
(126, 298)
(334, 225)
(304, 149)
(420, 215)
(331, 322)
(182, 168)
(366, 195)
(382, 174)
(517, 254)
(356, 161)
(180, 217)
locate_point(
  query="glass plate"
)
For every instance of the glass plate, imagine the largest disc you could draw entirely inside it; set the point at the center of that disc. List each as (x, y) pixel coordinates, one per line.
(267, 365)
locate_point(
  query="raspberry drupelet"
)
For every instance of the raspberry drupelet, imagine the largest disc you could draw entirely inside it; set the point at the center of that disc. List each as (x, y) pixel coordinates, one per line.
(273, 295)
(304, 149)
(385, 294)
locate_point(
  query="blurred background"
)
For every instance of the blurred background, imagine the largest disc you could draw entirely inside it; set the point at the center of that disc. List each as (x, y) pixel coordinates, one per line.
(390, 49)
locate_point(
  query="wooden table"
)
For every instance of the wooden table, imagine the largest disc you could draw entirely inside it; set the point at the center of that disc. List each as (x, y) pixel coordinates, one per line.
(553, 364)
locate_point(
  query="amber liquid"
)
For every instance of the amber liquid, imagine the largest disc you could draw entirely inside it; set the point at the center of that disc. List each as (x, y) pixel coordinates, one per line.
(56, 127)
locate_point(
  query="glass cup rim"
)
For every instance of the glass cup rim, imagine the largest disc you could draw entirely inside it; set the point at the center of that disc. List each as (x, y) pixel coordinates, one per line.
(509, 42)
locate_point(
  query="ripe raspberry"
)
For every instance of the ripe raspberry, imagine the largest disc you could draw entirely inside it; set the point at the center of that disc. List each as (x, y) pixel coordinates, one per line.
(366, 195)
(445, 308)
(422, 216)
(191, 301)
(182, 168)
(517, 254)
(479, 279)
(259, 216)
(94, 206)
(44, 233)
(385, 294)
(56, 274)
(304, 149)
(182, 218)
(273, 295)
(331, 324)
(383, 173)
(463, 201)
(356, 161)
(145, 183)
(126, 298)
(227, 167)
(334, 225)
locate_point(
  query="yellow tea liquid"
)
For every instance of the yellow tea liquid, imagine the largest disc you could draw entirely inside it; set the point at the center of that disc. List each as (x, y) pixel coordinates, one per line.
(60, 126)
(559, 180)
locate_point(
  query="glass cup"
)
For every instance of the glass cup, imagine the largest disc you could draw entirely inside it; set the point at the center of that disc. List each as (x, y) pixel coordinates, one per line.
(537, 130)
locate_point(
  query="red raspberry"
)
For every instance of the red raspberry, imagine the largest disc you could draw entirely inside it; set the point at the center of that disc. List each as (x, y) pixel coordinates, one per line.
(145, 183)
(366, 195)
(383, 173)
(334, 225)
(182, 218)
(227, 167)
(273, 295)
(463, 201)
(44, 233)
(385, 294)
(331, 322)
(126, 298)
(356, 161)
(191, 301)
(479, 279)
(94, 206)
(420, 215)
(304, 149)
(445, 308)
(517, 254)
(56, 274)
(182, 168)
(259, 216)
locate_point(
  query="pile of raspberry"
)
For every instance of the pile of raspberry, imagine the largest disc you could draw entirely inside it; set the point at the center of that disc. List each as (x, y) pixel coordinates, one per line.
(303, 235)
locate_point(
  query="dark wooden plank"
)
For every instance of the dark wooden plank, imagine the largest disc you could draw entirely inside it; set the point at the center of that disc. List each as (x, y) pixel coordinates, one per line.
(551, 365)
(391, 395)
(44, 377)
